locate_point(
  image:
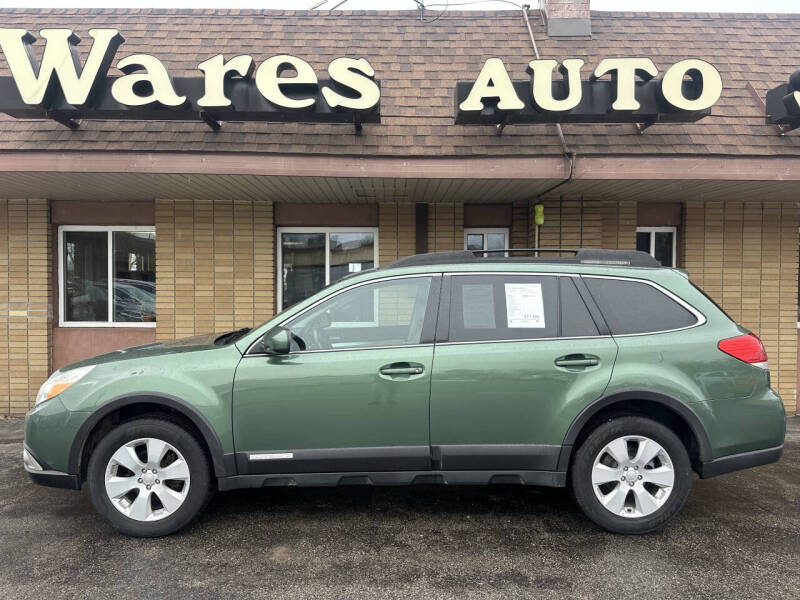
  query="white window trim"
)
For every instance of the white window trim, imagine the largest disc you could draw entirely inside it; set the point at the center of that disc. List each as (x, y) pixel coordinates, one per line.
(61, 295)
(652, 230)
(484, 231)
(327, 231)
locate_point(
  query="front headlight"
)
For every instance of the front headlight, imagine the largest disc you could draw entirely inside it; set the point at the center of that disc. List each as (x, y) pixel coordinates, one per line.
(58, 382)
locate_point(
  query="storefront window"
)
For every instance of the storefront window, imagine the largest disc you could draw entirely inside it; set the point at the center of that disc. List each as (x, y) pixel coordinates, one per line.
(90, 258)
(311, 258)
(658, 242)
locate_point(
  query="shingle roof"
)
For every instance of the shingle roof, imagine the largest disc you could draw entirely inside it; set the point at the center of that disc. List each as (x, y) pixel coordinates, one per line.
(418, 65)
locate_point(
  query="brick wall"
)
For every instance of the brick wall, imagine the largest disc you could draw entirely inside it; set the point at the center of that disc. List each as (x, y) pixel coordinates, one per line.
(744, 255)
(216, 265)
(25, 309)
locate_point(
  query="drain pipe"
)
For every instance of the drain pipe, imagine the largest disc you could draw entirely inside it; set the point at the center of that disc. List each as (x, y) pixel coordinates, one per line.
(570, 156)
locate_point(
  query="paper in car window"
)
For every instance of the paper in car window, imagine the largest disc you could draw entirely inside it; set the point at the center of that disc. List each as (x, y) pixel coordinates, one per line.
(524, 306)
(477, 302)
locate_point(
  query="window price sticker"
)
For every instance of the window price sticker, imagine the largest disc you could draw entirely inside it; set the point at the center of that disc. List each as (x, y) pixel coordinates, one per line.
(524, 306)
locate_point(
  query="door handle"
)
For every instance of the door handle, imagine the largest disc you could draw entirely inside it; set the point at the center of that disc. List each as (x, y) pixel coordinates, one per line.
(395, 369)
(577, 361)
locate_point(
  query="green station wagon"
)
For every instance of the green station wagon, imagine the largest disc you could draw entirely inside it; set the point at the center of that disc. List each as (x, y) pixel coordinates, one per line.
(599, 370)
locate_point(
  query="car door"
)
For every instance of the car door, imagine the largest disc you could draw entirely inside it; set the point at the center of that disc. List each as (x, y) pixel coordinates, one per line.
(353, 393)
(517, 358)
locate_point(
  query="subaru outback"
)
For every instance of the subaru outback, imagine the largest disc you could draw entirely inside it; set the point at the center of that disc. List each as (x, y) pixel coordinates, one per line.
(600, 370)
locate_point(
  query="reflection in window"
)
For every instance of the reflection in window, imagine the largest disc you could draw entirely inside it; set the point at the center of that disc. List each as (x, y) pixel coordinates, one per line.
(351, 253)
(658, 242)
(485, 239)
(303, 268)
(311, 259)
(134, 276)
(86, 267)
(86, 276)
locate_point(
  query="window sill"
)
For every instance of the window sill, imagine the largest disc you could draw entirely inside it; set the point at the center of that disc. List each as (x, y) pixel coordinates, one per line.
(85, 324)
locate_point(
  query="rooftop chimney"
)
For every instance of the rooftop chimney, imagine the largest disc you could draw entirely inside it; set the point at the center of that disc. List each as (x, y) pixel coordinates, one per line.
(567, 17)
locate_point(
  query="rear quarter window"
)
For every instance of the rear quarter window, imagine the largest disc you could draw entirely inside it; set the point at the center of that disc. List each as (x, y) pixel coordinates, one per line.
(636, 307)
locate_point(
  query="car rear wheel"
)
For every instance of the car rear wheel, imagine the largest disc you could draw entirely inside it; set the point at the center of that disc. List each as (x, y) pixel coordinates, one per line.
(149, 477)
(631, 475)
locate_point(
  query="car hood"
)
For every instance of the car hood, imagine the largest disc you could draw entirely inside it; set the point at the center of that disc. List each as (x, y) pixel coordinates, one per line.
(180, 346)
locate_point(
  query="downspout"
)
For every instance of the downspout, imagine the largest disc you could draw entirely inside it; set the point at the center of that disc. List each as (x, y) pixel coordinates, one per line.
(570, 156)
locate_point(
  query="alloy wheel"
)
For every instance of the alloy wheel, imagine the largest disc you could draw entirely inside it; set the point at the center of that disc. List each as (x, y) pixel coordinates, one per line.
(147, 479)
(633, 476)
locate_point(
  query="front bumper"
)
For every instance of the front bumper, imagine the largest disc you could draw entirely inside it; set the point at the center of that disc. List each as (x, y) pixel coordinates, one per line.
(47, 477)
(736, 462)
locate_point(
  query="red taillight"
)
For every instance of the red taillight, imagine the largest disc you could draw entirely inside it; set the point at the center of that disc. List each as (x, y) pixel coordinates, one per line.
(747, 348)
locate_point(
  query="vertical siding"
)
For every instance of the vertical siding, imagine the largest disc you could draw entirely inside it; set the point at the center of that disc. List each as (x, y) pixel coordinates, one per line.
(216, 265)
(618, 223)
(575, 224)
(165, 269)
(396, 231)
(5, 393)
(263, 261)
(25, 302)
(446, 227)
(521, 217)
(744, 255)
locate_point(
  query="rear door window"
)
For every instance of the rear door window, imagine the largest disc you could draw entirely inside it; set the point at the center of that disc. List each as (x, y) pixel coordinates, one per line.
(516, 307)
(635, 307)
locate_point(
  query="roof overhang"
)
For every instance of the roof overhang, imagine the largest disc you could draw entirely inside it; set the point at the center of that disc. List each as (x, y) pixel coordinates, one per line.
(322, 178)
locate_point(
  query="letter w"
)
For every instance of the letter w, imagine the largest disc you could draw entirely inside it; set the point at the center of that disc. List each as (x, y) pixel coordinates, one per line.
(60, 58)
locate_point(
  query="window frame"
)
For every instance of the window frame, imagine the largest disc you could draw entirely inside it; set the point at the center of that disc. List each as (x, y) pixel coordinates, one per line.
(327, 231)
(485, 231)
(109, 230)
(666, 229)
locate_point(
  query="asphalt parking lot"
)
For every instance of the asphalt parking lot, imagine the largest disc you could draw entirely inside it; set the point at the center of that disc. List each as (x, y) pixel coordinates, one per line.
(738, 537)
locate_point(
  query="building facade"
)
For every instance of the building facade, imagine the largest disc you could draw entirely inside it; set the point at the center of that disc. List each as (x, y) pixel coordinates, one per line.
(128, 228)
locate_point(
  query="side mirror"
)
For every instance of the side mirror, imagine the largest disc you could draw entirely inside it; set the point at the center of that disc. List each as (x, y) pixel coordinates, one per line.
(276, 341)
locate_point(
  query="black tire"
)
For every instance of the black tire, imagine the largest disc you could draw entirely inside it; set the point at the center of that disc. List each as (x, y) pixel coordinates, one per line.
(598, 439)
(200, 489)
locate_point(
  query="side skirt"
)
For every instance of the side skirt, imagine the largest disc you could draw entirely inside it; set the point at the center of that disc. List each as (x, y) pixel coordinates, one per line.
(541, 478)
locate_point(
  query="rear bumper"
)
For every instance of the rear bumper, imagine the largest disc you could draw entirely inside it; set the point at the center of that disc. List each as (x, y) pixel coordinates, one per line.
(736, 462)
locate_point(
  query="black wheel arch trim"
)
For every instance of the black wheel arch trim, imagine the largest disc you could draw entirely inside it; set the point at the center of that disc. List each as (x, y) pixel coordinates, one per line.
(224, 465)
(682, 409)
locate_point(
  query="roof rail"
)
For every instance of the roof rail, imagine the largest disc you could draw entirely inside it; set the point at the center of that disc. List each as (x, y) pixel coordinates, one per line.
(579, 256)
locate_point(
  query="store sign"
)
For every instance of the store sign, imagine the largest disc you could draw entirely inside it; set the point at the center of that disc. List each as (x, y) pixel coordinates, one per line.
(282, 88)
(783, 103)
(620, 90)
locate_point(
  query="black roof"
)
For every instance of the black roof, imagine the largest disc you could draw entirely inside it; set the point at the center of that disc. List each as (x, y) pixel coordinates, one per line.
(581, 256)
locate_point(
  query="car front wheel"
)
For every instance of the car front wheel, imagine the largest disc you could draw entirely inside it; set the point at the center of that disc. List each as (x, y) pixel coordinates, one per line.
(149, 477)
(631, 475)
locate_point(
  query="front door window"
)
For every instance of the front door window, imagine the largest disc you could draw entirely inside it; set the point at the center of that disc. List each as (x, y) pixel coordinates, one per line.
(385, 313)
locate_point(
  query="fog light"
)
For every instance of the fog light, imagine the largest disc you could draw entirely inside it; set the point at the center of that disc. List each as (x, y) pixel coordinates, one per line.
(30, 462)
